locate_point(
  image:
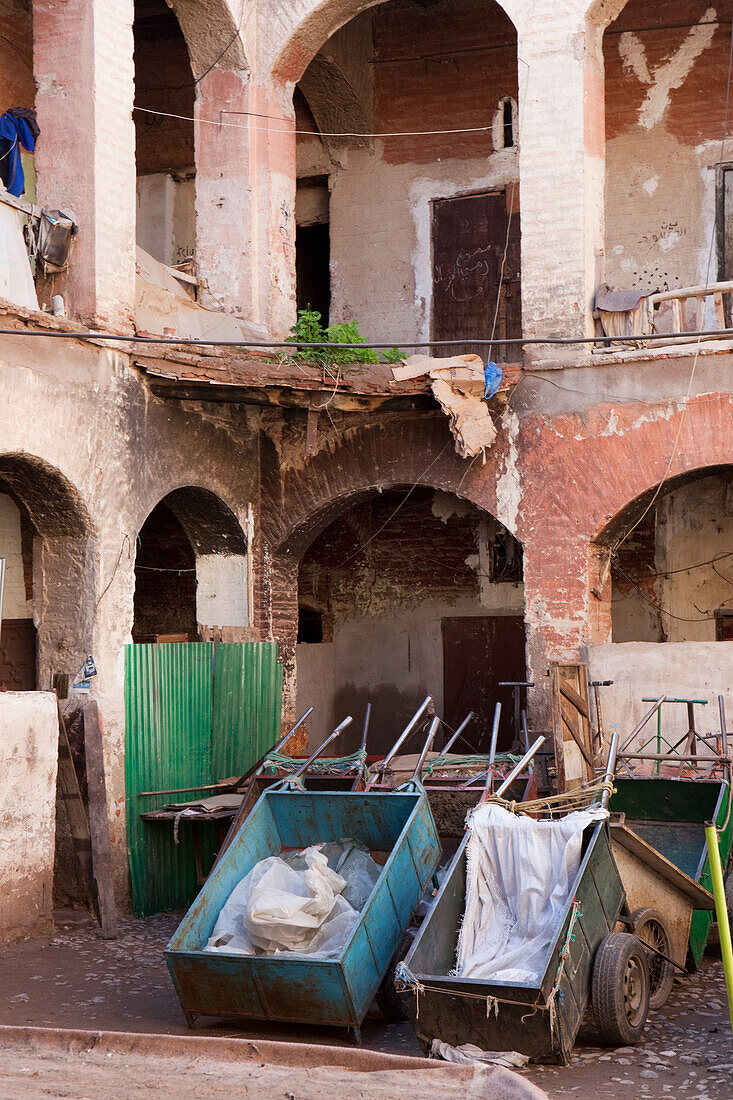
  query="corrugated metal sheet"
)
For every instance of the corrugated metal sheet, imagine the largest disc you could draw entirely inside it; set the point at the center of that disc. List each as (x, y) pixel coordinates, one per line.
(247, 703)
(193, 716)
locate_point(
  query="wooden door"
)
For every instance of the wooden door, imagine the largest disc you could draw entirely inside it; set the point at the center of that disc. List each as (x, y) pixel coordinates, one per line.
(477, 654)
(18, 655)
(469, 285)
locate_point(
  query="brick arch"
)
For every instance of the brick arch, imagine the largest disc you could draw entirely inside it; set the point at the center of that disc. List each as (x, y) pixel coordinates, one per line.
(214, 37)
(300, 503)
(303, 28)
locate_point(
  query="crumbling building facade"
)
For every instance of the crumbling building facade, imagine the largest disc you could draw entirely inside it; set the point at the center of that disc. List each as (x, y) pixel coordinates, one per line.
(435, 170)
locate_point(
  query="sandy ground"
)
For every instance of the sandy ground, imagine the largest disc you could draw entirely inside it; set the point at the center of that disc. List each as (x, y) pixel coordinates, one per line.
(81, 981)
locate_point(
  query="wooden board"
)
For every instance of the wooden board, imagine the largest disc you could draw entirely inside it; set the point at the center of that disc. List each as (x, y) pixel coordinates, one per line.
(70, 794)
(571, 725)
(98, 822)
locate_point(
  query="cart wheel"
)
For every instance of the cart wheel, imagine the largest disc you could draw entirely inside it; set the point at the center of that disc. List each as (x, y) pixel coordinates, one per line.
(387, 997)
(620, 989)
(650, 927)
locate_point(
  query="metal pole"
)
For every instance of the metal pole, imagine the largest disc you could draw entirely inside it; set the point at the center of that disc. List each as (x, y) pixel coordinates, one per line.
(721, 911)
(457, 733)
(610, 768)
(519, 767)
(365, 731)
(640, 725)
(525, 731)
(494, 733)
(402, 738)
(426, 748)
(331, 737)
(721, 711)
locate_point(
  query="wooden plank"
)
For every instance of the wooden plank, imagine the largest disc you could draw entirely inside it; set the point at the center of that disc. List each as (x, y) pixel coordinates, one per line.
(719, 311)
(567, 689)
(573, 754)
(677, 318)
(311, 432)
(655, 861)
(76, 814)
(99, 822)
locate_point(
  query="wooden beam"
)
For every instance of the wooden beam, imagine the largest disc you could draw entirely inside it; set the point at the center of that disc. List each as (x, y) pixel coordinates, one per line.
(98, 821)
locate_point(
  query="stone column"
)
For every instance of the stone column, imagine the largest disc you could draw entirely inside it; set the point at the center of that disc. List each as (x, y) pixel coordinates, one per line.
(85, 163)
(561, 171)
(245, 195)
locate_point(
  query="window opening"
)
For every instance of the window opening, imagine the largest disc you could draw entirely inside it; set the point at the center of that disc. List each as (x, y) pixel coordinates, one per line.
(310, 625)
(508, 124)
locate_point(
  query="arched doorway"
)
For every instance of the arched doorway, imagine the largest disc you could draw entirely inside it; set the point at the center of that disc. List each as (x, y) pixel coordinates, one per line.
(435, 249)
(48, 602)
(191, 571)
(164, 146)
(409, 592)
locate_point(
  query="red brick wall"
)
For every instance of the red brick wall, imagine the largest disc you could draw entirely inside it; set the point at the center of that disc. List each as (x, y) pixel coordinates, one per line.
(163, 82)
(409, 548)
(17, 86)
(697, 108)
(441, 67)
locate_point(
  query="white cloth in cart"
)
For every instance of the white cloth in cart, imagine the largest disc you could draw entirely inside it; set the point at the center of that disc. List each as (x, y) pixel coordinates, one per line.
(519, 875)
(277, 908)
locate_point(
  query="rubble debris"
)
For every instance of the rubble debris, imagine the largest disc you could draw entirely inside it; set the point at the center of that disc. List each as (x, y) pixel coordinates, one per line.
(458, 384)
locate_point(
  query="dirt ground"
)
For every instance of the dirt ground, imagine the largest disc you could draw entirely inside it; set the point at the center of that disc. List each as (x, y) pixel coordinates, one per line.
(80, 981)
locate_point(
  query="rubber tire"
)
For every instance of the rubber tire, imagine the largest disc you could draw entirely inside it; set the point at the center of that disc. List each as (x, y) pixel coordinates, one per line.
(661, 973)
(387, 997)
(616, 954)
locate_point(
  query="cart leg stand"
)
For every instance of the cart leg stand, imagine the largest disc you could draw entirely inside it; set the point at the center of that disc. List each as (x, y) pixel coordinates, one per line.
(721, 911)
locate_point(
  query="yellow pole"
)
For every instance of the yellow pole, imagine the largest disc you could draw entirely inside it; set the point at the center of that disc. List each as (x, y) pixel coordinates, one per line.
(721, 911)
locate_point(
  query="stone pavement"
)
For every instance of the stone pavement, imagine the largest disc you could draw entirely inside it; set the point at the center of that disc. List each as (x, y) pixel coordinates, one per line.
(81, 981)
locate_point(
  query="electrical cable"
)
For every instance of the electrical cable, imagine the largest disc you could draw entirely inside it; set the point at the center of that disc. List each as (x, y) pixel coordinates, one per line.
(311, 133)
(293, 344)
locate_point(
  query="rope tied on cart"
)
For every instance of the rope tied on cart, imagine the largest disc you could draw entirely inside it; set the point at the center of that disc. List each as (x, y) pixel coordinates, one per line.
(580, 798)
(335, 765)
(457, 763)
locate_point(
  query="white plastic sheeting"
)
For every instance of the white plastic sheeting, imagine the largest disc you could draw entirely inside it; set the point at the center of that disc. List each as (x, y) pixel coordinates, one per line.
(16, 277)
(299, 904)
(519, 875)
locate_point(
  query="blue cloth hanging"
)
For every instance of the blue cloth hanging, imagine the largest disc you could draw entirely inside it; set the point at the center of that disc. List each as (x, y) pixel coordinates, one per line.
(493, 377)
(14, 133)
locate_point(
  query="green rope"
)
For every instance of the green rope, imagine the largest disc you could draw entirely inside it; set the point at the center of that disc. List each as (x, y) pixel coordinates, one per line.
(481, 762)
(354, 762)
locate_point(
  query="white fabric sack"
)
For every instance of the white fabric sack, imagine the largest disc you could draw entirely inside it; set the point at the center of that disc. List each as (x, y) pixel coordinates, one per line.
(519, 875)
(278, 908)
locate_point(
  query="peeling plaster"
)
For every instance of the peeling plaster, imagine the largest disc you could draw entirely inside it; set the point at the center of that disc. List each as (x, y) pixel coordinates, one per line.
(508, 484)
(672, 73)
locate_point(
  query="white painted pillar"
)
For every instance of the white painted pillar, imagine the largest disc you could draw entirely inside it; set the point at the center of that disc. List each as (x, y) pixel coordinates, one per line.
(561, 172)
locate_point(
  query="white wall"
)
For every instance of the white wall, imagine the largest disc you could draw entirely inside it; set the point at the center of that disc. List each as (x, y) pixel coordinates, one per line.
(166, 216)
(699, 670)
(221, 590)
(29, 738)
(15, 605)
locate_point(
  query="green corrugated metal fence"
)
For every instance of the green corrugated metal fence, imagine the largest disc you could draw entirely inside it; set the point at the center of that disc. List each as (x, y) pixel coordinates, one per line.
(195, 713)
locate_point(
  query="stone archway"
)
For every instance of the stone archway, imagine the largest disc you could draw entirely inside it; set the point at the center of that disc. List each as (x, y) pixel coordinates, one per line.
(58, 565)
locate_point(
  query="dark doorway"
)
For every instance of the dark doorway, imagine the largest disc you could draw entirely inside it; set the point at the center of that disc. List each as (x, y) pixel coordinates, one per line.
(165, 581)
(478, 653)
(313, 269)
(313, 246)
(18, 655)
(472, 282)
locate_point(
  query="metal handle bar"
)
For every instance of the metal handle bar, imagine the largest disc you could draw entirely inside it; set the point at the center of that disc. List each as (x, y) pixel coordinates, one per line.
(426, 748)
(516, 770)
(402, 738)
(457, 733)
(331, 737)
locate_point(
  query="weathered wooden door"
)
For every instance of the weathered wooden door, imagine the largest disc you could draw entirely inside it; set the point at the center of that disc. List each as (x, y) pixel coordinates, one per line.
(476, 292)
(18, 655)
(478, 653)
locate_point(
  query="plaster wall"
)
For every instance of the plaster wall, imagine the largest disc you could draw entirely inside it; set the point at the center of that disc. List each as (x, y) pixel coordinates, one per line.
(28, 754)
(221, 590)
(166, 215)
(695, 525)
(15, 604)
(666, 73)
(392, 660)
(695, 670)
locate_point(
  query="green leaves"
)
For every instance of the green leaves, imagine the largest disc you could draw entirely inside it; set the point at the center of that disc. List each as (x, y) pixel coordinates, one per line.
(309, 330)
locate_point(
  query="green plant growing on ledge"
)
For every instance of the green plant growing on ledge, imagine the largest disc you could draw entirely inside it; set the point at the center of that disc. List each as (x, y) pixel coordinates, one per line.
(309, 330)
